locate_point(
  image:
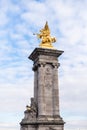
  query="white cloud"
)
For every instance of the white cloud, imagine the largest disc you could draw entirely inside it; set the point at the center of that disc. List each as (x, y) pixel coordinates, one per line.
(4, 19)
(8, 126)
(76, 124)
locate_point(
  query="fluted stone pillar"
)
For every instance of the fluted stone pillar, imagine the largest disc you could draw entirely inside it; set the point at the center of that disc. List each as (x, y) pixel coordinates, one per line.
(46, 92)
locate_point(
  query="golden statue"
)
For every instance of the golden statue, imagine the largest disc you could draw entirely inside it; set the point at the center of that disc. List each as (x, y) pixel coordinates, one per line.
(47, 40)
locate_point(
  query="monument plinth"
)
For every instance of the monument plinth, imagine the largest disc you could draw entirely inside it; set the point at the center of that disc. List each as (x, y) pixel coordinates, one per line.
(44, 113)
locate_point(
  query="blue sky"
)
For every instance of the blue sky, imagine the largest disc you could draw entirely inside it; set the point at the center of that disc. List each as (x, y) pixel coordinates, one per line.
(67, 20)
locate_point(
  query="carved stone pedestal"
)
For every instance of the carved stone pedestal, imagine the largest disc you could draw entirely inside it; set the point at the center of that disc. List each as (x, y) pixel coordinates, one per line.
(43, 113)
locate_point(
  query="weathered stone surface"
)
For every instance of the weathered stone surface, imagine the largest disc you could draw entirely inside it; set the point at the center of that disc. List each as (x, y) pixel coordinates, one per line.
(45, 115)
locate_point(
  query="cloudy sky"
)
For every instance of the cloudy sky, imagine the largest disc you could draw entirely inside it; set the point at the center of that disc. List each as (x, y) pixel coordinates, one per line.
(19, 19)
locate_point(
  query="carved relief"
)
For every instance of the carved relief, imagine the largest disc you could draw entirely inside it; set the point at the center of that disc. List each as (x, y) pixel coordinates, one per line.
(48, 76)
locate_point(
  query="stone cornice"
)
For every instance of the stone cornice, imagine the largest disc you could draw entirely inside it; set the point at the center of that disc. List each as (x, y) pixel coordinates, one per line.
(44, 51)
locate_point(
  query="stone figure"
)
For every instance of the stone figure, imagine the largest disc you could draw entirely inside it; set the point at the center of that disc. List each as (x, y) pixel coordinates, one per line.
(31, 111)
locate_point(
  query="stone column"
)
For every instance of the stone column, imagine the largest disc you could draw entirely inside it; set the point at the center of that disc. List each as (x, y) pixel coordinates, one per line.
(43, 113)
(41, 105)
(46, 89)
(55, 90)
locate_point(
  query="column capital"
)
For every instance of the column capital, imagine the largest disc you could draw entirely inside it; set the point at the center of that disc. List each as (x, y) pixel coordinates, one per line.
(55, 65)
(38, 64)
